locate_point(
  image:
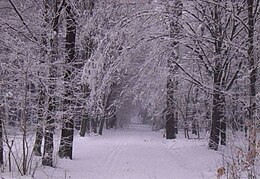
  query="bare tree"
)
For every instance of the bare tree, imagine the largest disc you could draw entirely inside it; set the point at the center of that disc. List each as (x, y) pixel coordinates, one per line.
(88, 49)
(66, 143)
(175, 31)
(52, 101)
(252, 12)
(213, 46)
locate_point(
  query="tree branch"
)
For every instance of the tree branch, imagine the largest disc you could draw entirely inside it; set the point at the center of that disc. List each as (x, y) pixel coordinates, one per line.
(20, 16)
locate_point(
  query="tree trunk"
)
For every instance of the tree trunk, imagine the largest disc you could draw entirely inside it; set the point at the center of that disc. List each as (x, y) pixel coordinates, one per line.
(38, 140)
(215, 123)
(94, 124)
(223, 127)
(2, 116)
(170, 111)
(39, 129)
(85, 121)
(84, 124)
(218, 119)
(88, 49)
(101, 126)
(252, 83)
(42, 96)
(175, 31)
(218, 107)
(52, 100)
(194, 127)
(66, 144)
(223, 121)
(112, 121)
(170, 128)
(48, 140)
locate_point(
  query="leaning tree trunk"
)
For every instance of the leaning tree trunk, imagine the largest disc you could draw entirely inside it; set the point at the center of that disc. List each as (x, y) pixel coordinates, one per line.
(66, 143)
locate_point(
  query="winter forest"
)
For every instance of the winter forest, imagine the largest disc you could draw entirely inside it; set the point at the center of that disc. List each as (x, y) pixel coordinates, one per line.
(129, 89)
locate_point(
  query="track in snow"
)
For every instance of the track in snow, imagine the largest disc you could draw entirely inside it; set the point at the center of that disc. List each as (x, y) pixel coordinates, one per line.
(136, 152)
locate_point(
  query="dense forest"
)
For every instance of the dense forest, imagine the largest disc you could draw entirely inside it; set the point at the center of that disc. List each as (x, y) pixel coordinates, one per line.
(72, 67)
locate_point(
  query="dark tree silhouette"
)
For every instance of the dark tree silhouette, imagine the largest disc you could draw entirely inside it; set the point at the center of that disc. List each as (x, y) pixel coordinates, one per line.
(175, 30)
(52, 101)
(66, 143)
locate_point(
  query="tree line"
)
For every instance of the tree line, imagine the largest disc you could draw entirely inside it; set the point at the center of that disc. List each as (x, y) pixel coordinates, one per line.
(79, 65)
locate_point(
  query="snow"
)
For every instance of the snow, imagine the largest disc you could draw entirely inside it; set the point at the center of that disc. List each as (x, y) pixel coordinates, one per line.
(135, 152)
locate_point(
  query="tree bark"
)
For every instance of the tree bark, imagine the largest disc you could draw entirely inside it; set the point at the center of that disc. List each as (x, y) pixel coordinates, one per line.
(85, 121)
(41, 96)
(49, 128)
(38, 140)
(84, 124)
(66, 144)
(94, 124)
(252, 83)
(170, 128)
(39, 129)
(101, 126)
(48, 143)
(223, 135)
(215, 123)
(218, 106)
(175, 31)
(2, 116)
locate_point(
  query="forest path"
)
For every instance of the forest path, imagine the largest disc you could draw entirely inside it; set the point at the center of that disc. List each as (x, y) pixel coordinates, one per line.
(139, 153)
(136, 152)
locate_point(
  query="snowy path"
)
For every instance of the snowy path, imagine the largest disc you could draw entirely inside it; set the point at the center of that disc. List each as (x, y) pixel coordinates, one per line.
(135, 153)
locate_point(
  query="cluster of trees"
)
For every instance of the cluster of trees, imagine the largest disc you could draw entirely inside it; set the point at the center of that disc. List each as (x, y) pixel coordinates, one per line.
(219, 54)
(39, 77)
(62, 67)
(72, 64)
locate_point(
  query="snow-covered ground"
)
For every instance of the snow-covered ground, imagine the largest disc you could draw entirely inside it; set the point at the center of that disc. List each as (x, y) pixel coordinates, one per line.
(135, 152)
